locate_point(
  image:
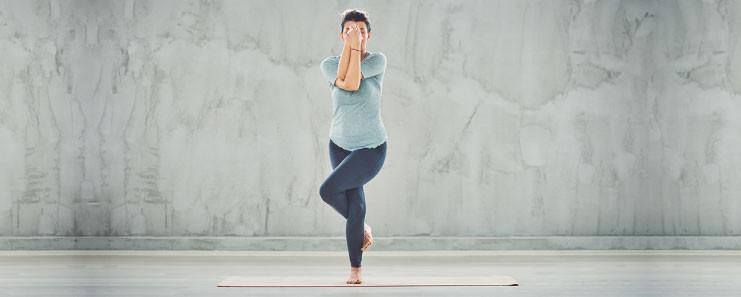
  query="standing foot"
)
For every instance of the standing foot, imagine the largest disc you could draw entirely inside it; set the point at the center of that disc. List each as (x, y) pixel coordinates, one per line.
(354, 276)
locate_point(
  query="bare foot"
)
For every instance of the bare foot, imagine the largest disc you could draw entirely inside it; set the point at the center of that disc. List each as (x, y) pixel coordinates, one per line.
(354, 276)
(368, 239)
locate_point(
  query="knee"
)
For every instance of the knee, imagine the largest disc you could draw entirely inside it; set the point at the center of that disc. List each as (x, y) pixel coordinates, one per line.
(325, 191)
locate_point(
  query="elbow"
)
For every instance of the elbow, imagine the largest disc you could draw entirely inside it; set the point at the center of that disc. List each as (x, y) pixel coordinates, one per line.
(354, 85)
(348, 86)
(349, 89)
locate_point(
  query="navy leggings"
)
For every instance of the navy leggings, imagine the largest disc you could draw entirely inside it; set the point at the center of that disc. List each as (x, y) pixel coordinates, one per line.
(343, 190)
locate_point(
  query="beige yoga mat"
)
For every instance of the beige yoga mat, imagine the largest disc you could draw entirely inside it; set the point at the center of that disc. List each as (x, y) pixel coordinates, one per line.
(368, 281)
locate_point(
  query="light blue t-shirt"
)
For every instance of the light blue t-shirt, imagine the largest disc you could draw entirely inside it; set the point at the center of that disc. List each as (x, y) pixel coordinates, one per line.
(356, 119)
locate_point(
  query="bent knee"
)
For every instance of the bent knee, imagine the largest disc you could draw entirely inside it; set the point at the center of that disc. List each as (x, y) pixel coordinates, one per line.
(326, 191)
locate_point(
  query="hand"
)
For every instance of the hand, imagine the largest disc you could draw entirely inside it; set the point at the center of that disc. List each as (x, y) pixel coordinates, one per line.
(355, 37)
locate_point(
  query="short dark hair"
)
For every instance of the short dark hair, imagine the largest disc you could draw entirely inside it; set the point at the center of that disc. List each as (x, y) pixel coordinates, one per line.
(354, 15)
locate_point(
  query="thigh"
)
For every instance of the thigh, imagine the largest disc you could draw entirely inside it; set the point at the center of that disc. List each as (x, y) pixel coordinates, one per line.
(357, 169)
(336, 154)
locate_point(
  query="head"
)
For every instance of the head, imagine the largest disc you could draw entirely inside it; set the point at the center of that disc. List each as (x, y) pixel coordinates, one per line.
(359, 18)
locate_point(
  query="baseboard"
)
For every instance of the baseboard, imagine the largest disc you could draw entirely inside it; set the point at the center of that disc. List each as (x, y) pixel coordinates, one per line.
(312, 243)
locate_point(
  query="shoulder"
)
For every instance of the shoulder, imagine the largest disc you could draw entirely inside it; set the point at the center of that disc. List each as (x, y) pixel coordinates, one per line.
(330, 59)
(378, 56)
(377, 59)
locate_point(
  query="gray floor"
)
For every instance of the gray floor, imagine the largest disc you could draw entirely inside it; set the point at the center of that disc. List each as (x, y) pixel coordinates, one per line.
(540, 273)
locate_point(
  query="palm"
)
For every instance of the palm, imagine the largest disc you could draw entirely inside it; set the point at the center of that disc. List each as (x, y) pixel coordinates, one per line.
(355, 37)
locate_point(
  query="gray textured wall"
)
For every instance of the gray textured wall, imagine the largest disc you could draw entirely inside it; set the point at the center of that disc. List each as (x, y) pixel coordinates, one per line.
(211, 118)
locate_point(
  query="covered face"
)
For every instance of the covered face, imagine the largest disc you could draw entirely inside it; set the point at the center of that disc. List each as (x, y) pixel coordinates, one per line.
(364, 34)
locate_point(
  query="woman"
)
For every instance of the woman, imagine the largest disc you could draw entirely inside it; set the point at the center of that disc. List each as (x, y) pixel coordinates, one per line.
(357, 140)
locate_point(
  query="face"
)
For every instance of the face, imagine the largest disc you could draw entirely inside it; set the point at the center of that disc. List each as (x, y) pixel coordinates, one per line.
(363, 32)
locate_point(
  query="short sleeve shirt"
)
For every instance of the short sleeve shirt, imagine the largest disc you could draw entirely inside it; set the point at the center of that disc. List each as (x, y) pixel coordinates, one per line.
(356, 118)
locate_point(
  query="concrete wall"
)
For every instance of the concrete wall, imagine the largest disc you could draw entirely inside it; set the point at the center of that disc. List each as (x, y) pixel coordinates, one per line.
(505, 118)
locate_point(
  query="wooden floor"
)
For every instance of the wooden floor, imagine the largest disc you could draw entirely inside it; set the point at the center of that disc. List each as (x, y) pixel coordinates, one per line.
(539, 273)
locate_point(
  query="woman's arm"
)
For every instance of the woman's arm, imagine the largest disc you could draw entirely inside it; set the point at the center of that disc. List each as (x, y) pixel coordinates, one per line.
(351, 81)
(344, 60)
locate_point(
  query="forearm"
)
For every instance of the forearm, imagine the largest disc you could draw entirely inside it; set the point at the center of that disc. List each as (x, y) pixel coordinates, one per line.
(344, 61)
(352, 79)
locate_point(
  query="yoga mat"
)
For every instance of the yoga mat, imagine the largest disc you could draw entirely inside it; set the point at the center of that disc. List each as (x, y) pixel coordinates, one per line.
(368, 281)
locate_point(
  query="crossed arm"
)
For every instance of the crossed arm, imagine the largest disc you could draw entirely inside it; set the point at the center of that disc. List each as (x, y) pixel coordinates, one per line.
(348, 72)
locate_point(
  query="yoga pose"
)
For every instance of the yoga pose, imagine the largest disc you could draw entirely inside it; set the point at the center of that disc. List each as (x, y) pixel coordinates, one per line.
(357, 138)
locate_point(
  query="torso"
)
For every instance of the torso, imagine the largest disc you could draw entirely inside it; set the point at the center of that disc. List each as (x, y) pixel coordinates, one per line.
(356, 120)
